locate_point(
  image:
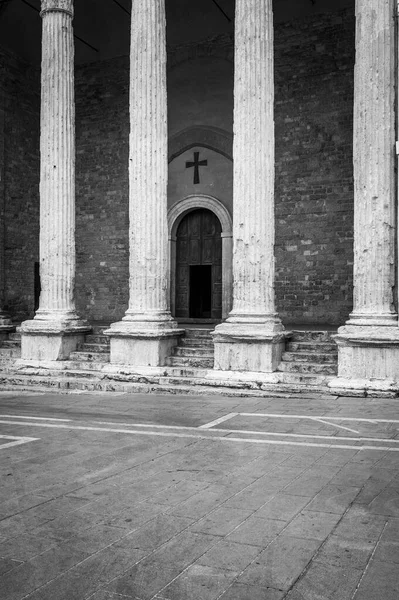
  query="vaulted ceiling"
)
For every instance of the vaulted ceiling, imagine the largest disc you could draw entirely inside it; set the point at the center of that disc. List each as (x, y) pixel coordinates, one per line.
(102, 26)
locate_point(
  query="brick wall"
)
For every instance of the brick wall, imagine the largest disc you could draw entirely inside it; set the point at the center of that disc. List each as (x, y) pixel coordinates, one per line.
(19, 97)
(314, 188)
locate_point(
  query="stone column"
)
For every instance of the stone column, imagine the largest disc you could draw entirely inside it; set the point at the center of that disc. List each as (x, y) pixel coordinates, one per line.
(252, 338)
(147, 332)
(369, 342)
(5, 322)
(56, 328)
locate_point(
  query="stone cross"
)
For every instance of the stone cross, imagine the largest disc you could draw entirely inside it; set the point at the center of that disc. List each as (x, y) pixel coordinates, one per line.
(196, 164)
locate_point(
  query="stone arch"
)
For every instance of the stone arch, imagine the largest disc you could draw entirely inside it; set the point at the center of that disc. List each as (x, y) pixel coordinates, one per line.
(175, 215)
(215, 139)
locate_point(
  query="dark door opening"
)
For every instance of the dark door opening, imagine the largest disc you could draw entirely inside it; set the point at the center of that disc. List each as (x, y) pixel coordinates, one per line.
(199, 266)
(201, 292)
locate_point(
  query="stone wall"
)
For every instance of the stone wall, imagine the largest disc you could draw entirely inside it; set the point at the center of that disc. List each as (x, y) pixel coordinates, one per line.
(19, 103)
(314, 187)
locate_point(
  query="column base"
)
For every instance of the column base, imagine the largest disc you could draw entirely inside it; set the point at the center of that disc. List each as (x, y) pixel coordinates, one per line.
(249, 344)
(142, 344)
(51, 340)
(368, 360)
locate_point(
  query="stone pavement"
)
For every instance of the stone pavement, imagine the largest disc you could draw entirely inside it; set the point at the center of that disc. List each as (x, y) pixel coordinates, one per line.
(121, 496)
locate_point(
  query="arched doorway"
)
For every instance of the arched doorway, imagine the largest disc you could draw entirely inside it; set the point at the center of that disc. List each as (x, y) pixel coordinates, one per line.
(176, 214)
(199, 266)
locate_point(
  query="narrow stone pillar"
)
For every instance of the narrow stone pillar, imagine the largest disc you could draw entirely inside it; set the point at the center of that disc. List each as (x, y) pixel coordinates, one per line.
(252, 338)
(147, 332)
(369, 342)
(56, 329)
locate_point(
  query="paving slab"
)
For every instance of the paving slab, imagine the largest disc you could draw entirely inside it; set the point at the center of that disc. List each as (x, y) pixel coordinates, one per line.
(141, 496)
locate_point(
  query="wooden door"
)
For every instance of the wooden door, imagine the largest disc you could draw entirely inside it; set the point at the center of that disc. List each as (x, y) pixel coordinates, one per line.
(199, 243)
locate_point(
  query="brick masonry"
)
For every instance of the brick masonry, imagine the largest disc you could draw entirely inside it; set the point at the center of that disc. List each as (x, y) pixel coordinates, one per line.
(20, 103)
(314, 192)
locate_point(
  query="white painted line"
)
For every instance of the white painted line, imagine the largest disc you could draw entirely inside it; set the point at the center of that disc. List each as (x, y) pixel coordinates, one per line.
(334, 425)
(254, 432)
(356, 419)
(218, 421)
(204, 437)
(33, 418)
(17, 441)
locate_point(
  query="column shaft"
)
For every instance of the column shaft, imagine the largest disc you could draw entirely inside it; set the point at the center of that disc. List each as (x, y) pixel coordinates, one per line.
(374, 164)
(148, 165)
(253, 228)
(57, 167)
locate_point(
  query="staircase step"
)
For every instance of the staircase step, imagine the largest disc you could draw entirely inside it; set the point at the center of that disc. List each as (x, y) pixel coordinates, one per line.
(308, 368)
(15, 336)
(313, 357)
(195, 342)
(186, 372)
(205, 351)
(312, 336)
(198, 333)
(10, 352)
(75, 364)
(191, 361)
(92, 338)
(314, 347)
(93, 347)
(11, 344)
(90, 356)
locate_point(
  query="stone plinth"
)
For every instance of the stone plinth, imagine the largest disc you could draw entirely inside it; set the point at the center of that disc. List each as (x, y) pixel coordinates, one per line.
(56, 328)
(147, 332)
(252, 338)
(368, 345)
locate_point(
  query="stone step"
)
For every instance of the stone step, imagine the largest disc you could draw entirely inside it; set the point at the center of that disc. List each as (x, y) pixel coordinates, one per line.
(313, 357)
(195, 342)
(314, 347)
(85, 347)
(312, 336)
(308, 368)
(86, 365)
(310, 379)
(11, 344)
(191, 361)
(99, 329)
(186, 372)
(198, 333)
(15, 336)
(205, 351)
(89, 356)
(97, 339)
(10, 352)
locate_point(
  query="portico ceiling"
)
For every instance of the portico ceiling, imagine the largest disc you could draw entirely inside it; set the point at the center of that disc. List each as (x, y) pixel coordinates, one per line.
(102, 26)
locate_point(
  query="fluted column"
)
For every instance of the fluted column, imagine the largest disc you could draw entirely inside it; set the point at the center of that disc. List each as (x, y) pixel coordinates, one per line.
(148, 316)
(374, 164)
(368, 345)
(56, 314)
(253, 317)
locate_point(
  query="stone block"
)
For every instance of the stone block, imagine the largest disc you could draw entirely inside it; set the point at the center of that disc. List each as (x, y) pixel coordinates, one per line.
(49, 346)
(141, 351)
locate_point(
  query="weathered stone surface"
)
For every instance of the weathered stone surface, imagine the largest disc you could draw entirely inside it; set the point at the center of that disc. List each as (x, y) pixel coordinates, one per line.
(56, 328)
(135, 340)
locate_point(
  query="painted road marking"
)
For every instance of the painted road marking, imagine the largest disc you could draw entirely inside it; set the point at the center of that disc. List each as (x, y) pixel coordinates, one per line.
(218, 421)
(18, 440)
(356, 419)
(334, 425)
(226, 437)
(32, 418)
